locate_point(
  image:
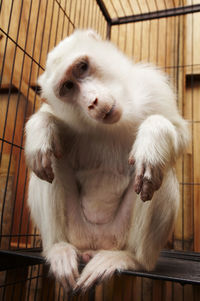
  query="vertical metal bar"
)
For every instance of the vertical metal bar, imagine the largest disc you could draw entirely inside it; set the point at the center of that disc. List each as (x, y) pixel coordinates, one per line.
(91, 294)
(138, 4)
(69, 16)
(125, 40)
(9, 95)
(122, 7)
(89, 15)
(29, 81)
(50, 29)
(62, 34)
(133, 40)
(36, 286)
(149, 48)
(58, 17)
(6, 43)
(104, 9)
(98, 20)
(108, 31)
(166, 27)
(192, 109)
(131, 8)
(25, 111)
(29, 284)
(114, 8)
(157, 48)
(141, 40)
(28, 23)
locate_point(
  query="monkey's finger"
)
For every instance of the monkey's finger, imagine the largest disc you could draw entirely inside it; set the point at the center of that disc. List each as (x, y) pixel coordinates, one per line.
(131, 160)
(57, 149)
(70, 270)
(138, 183)
(157, 175)
(46, 163)
(147, 190)
(65, 284)
(71, 274)
(38, 168)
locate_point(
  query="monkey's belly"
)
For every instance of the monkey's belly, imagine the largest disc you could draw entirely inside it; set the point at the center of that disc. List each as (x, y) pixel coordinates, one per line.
(101, 195)
(104, 213)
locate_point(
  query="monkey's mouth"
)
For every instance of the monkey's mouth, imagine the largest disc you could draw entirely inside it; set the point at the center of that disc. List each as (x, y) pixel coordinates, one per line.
(113, 115)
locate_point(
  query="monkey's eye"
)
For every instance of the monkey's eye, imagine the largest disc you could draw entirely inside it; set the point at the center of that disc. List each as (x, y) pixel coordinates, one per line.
(66, 87)
(81, 68)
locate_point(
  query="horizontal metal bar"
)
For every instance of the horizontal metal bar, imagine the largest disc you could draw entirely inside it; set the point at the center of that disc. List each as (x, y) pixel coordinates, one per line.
(23, 50)
(175, 266)
(15, 259)
(104, 10)
(171, 12)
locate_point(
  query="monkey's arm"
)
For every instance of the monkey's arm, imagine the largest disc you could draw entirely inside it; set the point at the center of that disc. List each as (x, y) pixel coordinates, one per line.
(158, 144)
(42, 142)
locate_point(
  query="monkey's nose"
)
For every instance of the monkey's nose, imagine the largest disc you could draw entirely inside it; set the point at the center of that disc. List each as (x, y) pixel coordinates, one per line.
(93, 104)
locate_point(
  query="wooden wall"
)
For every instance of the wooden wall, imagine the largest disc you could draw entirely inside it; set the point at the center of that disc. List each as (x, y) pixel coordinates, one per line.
(28, 30)
(173, 45)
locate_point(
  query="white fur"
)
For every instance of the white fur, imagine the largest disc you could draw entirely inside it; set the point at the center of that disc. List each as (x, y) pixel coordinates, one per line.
(92, 203)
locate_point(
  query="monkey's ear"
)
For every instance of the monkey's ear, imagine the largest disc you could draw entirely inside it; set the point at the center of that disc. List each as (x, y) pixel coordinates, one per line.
(93, 34)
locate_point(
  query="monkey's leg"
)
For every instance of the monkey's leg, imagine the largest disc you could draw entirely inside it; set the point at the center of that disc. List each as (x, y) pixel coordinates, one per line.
(48, 209)
(153, 222)
(103, 265)
(63, 258)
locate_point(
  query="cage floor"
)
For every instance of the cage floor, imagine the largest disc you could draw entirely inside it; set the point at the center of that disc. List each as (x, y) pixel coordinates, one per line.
(182, 267)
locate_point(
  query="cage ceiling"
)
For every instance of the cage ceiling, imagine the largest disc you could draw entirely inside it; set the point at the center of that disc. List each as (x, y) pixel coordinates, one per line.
(124, 11)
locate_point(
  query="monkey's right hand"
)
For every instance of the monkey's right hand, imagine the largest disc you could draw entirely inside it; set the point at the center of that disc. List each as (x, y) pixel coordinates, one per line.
(42, 162)
(42, 145)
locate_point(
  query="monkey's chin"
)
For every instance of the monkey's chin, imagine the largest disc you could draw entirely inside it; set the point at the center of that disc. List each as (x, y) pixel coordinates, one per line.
(113, 116)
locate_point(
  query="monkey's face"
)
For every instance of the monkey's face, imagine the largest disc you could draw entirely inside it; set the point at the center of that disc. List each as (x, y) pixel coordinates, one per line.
(83, 86)
(83, 76)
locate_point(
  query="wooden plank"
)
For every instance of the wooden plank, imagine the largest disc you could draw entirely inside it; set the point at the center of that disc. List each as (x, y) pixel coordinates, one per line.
(193, 43)
(18, 290)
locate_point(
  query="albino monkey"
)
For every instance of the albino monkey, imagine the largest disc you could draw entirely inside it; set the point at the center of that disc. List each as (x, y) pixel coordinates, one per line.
(105, 141)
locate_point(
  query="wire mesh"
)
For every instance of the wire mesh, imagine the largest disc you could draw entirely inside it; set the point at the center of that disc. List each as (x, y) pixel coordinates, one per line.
(28, 30)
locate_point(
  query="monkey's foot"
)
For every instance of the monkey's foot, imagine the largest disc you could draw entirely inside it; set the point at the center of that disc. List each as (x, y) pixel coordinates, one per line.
(103, 265)
(63, 261)
(147, 180)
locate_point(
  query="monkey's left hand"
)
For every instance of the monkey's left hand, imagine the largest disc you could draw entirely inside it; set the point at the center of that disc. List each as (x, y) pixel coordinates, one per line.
(148, 179)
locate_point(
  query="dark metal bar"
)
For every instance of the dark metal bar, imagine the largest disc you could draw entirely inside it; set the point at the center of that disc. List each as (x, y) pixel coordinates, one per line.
(104, 11)
(14, 259)
(171, 12)
(68, 17)
(108, 31)
(18, 46)
(175, 266)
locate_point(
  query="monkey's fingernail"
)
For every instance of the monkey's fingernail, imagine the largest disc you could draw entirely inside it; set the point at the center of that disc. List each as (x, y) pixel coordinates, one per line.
(131, 161)
(76, 290)
(50, 180)
(145, 200)
(58, 154)
(137, 187)
(146, 197)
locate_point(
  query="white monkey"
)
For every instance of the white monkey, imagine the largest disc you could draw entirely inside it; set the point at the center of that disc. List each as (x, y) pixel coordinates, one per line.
(104, 143)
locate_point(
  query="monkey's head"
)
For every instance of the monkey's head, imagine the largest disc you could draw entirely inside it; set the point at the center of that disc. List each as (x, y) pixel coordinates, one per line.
(84, 78)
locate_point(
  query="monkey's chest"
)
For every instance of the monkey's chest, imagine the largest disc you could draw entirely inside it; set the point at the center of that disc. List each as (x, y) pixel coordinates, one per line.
(101, 194)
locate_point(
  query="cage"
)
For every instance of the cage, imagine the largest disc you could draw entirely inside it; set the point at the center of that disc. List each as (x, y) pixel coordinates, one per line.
(165, 33)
